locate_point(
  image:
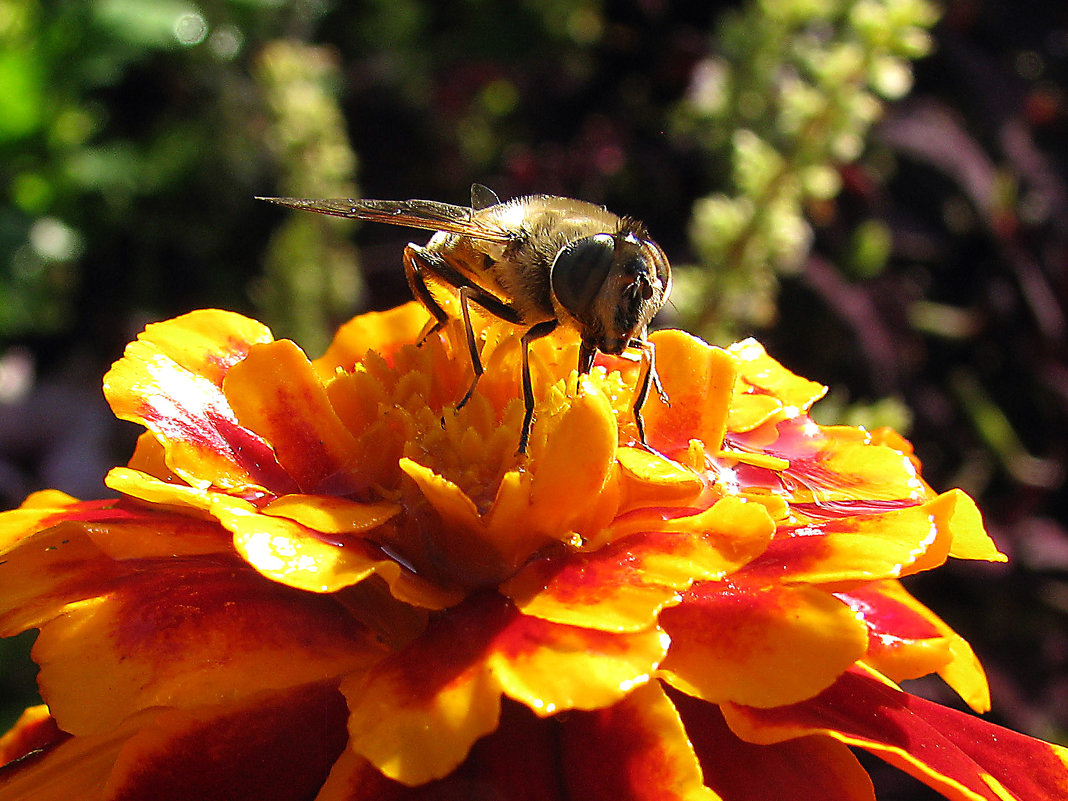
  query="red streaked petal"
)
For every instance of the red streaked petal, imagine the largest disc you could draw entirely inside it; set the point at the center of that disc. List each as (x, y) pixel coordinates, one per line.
(275, 747)
(635, 750)
(272, 747)
(46, 572)
(623, 586)
(188, 413)
(207, 342)
(189, 635)
(518, 762)
(147, 534)
(416, 713)
(39, 511)
(698, 380)
(276, 392)
(757, 644)
(75, 768)
(35, 730)
(121, 529)
(961, 756)
(831, 465)
(863, 547)
(907, 640)
(803, 769)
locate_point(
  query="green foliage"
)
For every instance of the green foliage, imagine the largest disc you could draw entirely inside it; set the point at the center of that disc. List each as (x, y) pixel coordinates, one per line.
(310, 276)
(788, 99)
(107, 109)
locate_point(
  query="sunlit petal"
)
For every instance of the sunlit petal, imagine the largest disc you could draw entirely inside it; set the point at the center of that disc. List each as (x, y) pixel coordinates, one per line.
(959, 755)
(801, 769)
(416, 714)
(759, 645)
(184, 636)
(636, 750)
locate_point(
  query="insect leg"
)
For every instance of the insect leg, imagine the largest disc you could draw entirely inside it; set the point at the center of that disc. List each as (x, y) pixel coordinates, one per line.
(645, 345)
(416, 261)
(419, 262)
(494, 306)
(587, 351)
(649, 378)
(476, 362)
(535, 332)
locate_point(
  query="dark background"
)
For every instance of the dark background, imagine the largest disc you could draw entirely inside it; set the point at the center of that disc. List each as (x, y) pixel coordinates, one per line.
(931, 292)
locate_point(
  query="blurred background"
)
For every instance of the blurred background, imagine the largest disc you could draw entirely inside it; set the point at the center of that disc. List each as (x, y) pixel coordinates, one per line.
(877, 189)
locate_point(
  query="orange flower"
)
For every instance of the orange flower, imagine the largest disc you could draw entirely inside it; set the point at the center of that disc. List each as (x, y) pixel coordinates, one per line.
(319, 581)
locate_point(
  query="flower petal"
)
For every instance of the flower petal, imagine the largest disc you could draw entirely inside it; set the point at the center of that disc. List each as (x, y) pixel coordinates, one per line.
(623, 586)
(762, 377)
(184, 636)
(305, 559)
(35, 730)
(330, 514)
(77, 767)
(518, 762)
(961, 756)
(756, 644)
(288, 552)
(416, 713)
(275, 747)
(864, 547)
(573, 461)
(803, 769)
(276, 392)
(290, 739)
(907, 640)
(842, 467)
(698, 380)
(121, 530)
(381, 332)
(636, 750)
(39, 511)
(164, 384)
(650, 479)
(45, 573)
(207, 342)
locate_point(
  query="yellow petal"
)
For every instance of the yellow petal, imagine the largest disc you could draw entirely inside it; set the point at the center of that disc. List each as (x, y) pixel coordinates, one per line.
(759, 645)
(187, 636)
(276, 392)
(571, 468)
(330, 514)
(761, 372)
(636, 749)
(970, 540)
(39, 511)
(382, 332)
(416, 714)
(699, 382)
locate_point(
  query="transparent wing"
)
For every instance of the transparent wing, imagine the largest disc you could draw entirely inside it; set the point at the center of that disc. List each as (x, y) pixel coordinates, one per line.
(429, 215)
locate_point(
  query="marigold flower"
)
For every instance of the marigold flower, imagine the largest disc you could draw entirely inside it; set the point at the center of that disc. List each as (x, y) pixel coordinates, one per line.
(318, 580)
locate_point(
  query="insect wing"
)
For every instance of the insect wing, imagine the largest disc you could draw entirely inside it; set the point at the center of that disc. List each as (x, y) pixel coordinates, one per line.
(429, 215)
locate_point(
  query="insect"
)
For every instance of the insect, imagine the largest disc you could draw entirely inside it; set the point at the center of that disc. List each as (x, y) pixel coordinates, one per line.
(538, 262)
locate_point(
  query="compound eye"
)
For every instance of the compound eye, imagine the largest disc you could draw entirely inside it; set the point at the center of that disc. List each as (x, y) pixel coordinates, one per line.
(580, 270)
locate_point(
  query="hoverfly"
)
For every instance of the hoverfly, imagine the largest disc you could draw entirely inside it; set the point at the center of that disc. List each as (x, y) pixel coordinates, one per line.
(539, 262)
